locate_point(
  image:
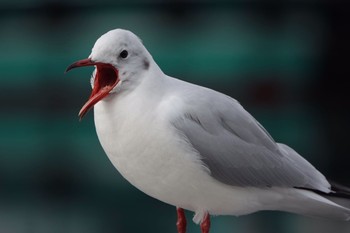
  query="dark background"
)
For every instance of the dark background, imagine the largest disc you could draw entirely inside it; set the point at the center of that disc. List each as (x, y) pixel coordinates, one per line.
(287, 62)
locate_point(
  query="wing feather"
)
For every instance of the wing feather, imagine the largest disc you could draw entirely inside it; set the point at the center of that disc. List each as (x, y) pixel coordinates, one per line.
(238, 151)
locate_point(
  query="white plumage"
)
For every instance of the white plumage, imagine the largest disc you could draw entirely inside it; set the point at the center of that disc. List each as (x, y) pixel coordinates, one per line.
(193, 147)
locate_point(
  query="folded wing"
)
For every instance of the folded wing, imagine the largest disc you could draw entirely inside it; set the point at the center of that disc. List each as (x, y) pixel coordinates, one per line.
(238, 151)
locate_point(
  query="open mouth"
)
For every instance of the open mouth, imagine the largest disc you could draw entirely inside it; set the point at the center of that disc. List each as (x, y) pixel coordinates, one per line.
(106, 78)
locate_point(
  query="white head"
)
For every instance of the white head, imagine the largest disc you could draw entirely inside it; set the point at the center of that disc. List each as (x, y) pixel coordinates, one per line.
(119, 57)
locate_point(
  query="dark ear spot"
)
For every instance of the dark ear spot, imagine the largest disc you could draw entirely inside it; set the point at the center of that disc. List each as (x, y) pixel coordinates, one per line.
(145, 64)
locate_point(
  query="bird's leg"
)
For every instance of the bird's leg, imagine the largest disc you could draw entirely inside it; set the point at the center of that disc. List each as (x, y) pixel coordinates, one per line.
(205, 224)
(181, 220)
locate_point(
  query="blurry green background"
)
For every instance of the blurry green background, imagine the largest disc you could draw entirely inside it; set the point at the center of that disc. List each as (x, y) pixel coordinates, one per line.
(287, 62)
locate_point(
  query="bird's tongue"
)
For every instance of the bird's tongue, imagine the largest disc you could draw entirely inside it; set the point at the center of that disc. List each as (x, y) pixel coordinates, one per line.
(106, 79)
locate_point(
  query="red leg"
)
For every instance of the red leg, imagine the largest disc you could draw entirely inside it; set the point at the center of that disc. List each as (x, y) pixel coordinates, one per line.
(205, 224)
(181, 220)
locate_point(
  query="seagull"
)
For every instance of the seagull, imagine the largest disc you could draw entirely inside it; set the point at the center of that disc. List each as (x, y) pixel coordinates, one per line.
(193, 147)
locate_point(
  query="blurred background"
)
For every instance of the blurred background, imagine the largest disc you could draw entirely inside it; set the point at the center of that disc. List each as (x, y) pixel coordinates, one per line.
(287, 62)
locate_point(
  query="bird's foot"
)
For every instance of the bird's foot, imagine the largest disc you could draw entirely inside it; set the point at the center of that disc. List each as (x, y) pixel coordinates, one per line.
(181, 220)
(205, 224)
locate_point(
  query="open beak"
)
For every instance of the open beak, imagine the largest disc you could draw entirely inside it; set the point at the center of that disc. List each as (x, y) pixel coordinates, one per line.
(106, 78)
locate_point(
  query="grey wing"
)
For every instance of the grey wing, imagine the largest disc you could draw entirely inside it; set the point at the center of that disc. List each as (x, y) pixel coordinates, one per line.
(238, 151)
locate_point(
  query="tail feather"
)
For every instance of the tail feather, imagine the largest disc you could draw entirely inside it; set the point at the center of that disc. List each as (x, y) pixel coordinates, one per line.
(340, 194)
(315, 204)
(339, 190)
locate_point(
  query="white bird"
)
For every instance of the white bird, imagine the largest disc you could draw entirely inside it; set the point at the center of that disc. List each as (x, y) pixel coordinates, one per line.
(193, 147)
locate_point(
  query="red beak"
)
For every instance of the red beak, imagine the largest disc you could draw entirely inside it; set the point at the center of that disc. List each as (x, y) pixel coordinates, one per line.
(84, 62)
(106, 78)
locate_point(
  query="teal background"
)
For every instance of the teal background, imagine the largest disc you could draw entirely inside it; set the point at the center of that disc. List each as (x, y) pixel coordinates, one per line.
(287, 62)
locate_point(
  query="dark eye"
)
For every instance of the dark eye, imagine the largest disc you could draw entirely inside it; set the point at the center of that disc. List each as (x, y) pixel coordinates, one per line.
(123, 54)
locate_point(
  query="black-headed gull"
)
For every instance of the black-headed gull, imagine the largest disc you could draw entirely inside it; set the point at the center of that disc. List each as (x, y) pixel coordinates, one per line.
(193, 147)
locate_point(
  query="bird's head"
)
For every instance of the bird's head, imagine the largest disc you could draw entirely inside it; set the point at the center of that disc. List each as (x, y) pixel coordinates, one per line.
(118, 56)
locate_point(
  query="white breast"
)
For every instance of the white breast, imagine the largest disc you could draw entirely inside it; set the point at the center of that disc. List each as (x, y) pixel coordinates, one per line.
(138, 138)
(144, 149)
